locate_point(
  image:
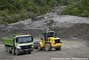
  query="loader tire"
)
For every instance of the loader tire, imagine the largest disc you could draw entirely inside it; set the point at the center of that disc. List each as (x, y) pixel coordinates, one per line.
(48, 47)
(39, 48)
(58, 48)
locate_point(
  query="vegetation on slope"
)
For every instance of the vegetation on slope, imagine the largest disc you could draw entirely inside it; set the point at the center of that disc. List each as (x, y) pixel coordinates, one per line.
(17, 10)
(23, 9)
(80, 8)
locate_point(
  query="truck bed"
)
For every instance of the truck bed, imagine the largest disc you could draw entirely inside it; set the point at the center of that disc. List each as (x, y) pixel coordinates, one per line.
(8, 41)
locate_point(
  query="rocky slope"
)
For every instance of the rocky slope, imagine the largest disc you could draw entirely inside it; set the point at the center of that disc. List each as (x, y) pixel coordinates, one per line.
(66, 26)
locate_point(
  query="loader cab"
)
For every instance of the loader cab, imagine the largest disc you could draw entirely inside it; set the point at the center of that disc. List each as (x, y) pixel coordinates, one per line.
(48, 34)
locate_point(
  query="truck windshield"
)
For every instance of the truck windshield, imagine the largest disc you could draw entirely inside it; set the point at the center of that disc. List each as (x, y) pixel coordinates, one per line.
(25, 39)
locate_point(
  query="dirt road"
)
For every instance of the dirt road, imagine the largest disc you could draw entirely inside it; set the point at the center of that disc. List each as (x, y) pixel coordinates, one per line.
(73, 48)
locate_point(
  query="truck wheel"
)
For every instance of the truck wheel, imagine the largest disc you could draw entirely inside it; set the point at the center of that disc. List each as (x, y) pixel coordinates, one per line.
(16, 52)
(58, 48)
(13, 51)
(6, 48)
(48, 47)
(29, 52)
(39, 48)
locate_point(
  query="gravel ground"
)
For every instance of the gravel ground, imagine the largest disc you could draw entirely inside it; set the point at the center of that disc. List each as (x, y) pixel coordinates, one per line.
(71, 49)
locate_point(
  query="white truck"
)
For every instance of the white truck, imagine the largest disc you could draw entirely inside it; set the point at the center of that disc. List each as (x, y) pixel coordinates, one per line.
(18, 44)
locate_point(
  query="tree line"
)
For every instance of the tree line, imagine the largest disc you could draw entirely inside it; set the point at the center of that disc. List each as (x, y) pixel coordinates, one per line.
(80, 8)
(21, 8)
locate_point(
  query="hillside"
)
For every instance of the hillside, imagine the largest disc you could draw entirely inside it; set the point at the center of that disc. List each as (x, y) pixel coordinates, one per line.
(17, 10)
(80, 8)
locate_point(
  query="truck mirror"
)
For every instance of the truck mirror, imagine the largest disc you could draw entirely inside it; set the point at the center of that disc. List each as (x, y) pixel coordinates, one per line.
(32, 38)
(16, 40)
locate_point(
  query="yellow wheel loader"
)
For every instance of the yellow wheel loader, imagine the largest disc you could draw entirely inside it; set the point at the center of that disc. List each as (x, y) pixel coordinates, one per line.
(49, 41)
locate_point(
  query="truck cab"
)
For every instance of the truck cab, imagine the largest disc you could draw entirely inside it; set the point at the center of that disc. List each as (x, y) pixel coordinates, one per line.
(19, 44)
